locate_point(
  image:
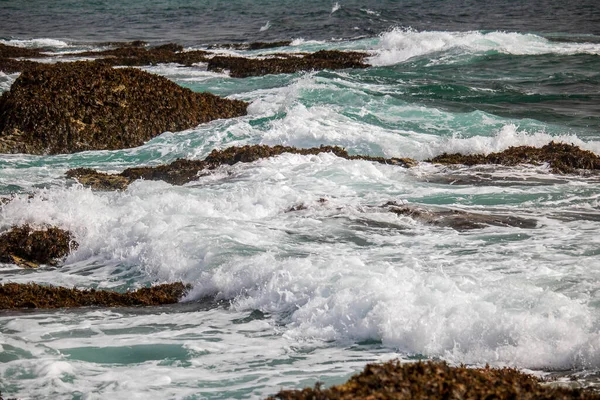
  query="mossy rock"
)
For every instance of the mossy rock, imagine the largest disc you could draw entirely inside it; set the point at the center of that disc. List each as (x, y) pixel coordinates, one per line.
(437, 380)
(241, 67)
(28, 247)
(561, 157)
(32, 295)
(72, 107)
(182, 171)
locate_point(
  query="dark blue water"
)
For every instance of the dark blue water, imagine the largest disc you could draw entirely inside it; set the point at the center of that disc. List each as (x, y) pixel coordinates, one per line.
(207, 21)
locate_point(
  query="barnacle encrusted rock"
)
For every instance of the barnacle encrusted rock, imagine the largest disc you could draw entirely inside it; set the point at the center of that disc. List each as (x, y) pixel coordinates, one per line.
(28, 247)
(241, 67)
(32, 295)
(561, 157)
(72, 107)
(183, 171)
(437, 380)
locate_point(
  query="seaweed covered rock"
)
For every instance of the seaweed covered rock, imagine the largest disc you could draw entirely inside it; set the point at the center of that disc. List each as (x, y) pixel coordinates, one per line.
(241, 67)
(252, 45)
(72, 107)
(28, 248)
(140, 56)
(436, 380)
(182, 171)
(32, 295)
(7, 51)
(561, 157)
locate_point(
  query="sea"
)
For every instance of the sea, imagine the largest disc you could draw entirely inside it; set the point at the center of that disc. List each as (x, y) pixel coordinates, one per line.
(298, 274)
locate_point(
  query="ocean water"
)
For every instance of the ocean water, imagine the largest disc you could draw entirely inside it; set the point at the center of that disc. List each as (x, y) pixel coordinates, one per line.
(283, 298)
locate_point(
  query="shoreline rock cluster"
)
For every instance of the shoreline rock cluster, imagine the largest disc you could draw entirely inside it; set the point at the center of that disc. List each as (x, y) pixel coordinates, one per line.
(72, 107)
(394, 380)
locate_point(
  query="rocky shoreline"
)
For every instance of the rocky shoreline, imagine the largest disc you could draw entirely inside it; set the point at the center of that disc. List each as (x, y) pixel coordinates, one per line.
(89, 105)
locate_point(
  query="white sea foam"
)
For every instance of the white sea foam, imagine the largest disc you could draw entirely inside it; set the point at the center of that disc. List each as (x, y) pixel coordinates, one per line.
(265, 27)
(43, 42)
(399, 45)
(335, 7)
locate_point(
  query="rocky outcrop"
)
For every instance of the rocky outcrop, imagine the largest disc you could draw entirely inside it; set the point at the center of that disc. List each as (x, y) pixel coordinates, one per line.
(7, 51)
(183, 171)
(561, 157)
(32, 295)
(241, 67)
(140, 56)
(72, 107)
(436, 380)
(28, 247)
(458, 219)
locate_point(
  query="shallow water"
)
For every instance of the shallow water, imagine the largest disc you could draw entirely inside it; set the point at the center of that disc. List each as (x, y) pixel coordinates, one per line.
(284, 298)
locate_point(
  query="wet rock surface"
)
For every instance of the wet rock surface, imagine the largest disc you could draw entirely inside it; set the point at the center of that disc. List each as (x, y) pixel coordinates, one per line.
(458, 219)
(32, 295)
(141, 56)
(436, 380)
(183, 171)
(252, 45)
(28, 247)
(241, 67)
(561, 157)
(72, 107)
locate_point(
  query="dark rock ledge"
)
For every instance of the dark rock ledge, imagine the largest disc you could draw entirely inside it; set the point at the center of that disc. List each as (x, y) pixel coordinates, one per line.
(32, 295)
(437, 380)
(183, 171)
(28, 247)
(137, 54)
(72, 107)
(561, 157)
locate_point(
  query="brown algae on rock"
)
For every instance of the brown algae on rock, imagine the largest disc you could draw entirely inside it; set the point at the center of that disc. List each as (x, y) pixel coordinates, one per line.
(242, 67)
(79, 106)
(32, 295)
(182, 171)
(28, 247)
(394, 380)
(561, 157)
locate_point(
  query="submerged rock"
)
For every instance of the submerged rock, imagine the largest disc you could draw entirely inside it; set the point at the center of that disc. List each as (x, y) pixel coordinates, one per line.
(98, 180)
(561, 157)
(458, 219)
(72, 107)
(182, 171)
(28, 248)
(252, 45)
(241, 67)
(32, 295)
(437, 380)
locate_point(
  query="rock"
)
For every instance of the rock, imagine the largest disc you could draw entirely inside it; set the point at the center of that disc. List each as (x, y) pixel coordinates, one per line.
(7, 51)
(28, 248)
(32, 295)
(240, 67)
(9, 66)
(458, 219)
(562, 158)
(183, 171)
(251, 46)
(98, 180)
(437, 380)
(72, 107)
(140, 56)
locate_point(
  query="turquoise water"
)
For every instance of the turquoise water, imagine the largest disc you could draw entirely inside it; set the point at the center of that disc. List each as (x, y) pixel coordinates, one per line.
(283, 299)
